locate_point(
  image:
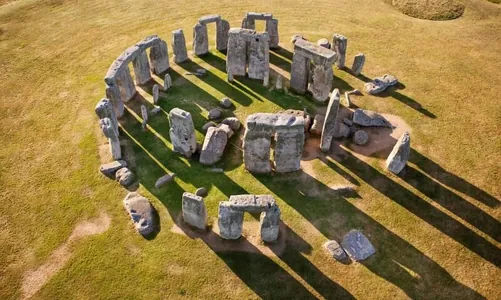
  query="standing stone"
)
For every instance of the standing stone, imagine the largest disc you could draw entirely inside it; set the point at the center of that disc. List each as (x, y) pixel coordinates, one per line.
(399, 156)
(270, 224)
(340, 43)
(230, 221)
(299, 73)
(113, 93)
(318, 124)
(370, 118)
(358, 64)
(236, 58)
(279, 83)
(141, 212)
(258, 54)
(335, 250)
(213, 147)
(222, 28)
(112, 134)
(321, 82)
(167, 82)
(324, 43)
(126, 84)
(329, 128)
(159, 57)
(200, 39)
(155, 92)
(289, 143)
(272, 29)
(179, 46)
(141, 68)
(194, 211)
(104, 109)
(182, 132)
(357, 245)
(144, 114)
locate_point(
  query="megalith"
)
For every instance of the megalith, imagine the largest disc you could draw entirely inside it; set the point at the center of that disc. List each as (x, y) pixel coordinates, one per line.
(200, 39)
(194, 211)
(126, 84)
(141, 68)
(141, 213)
(358, 64)
(182, 132)
(104, 109)
(213, 146)
(179, 46)
(271, 25)
(270, 224)
(159, 57)
(340, 43)
(230, 221)
(399, 156)
(330, 121)
(222, 29)
(111, 133)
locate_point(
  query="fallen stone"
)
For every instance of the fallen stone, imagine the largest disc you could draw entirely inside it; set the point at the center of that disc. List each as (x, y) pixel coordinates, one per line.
(208, 125)
(141, 212)
(355, 92)
(380, 84)
(155, 110)
(214, 114)
(324, 43)
(213, 147)
(329, 129)
(110, 169)
(225, 103)
(125, 177)
(357, 245)
(318, 123)
(399, 156)
(361, 137)
(164, 179)
(370, 118)
(194, 211)
(202, 192)
(233, 122)
(335, 250)
(226, 129)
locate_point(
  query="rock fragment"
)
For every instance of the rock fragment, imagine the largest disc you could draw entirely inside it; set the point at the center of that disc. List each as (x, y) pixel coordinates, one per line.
(370, 118)
(361, 137)
(202, 192)
(214, 114)
(225, 103)
(335, 250)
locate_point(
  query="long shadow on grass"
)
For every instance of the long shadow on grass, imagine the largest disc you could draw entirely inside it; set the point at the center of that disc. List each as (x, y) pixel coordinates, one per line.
(333, 215)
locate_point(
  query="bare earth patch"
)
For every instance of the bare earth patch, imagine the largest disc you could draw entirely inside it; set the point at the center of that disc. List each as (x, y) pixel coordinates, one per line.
(34, 280)
(439, 10)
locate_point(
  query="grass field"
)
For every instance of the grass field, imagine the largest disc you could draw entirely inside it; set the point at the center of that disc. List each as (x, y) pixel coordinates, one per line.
(436, 229)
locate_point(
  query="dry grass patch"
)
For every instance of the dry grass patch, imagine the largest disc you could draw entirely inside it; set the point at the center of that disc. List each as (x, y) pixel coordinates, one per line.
(430, 9)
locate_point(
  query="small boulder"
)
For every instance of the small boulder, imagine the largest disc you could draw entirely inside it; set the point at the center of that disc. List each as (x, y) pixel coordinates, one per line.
(110, 169)
(125, 177)
(233, 122)
(324, 43)
(155, 110)
(141, 212)
(164, 179)
(344, 130)
(357, 245)
(225, 103)
(361, 137)
(202, 192)
(335, 250)
(370, 118)
(208, 125)
(215, 114)
(318, 124)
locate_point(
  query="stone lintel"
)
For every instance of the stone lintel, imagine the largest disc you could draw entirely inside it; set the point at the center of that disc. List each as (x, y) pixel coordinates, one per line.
(209, 19)
(251, 203)
(249, 34)
(259, 16)
(270, 122)
(314, 51)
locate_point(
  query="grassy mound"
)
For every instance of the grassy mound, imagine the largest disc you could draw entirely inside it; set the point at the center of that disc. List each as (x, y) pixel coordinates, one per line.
(430, 9)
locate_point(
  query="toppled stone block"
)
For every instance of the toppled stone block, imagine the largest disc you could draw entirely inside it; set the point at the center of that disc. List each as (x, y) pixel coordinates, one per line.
(200, 39)
(125, 177)
(357, 245)
(251, 203)
(164, 180)
(194, 211)
(380, 84)
(340, 44)
(233, 122)
(361, 137)
(329, 129)
(324, 43)
(208, 125)
(141, 212)
(370, 118)
(109, 170)
(182, 132)
(335, 250)
(213, 147)
(230, 221)
(226, 129)
(270, 224)
(358, 64)
(399, 156)
(318, 124)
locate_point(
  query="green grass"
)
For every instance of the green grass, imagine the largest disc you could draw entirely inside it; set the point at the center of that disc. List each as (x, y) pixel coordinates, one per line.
(436, 229)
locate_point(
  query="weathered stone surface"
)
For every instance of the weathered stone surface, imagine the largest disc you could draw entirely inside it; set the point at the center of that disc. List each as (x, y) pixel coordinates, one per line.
(141, 212)
(321, 82)
(112, 134)
(233, 122)
(202, 192)
(348, 122)
(159, 57)
(104, 109)
(182, 132)
(213, 147)
(335, 250)
(110, 169)
(155, 91)
(222, 35)
(258, 57)
(289, 144)
(126, 84)
(113, 93)
(299, 73)
(251, 203)
(399, 156)
(324, 43)
(358, 64)
(200, 39)
(144, 114)
(357, 245)
(256, 152)
(312, 51)
(164, 180)
(204, 20)
(318, 124)
(167, 82)
(370, 118)
(141, 68)
(236, 58)
(340, 43)
(214, 114)
(279, 84)
(380, 84)
(296, 37)
(225, 103)
(272, 29)
(270, 224)
(344, 131)
(194, 211)
(329, 128)
(179, 46)
(208, 125)
(229, 132)
(155, 110)
(230, 221)
(361, 137)
(125, 176)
